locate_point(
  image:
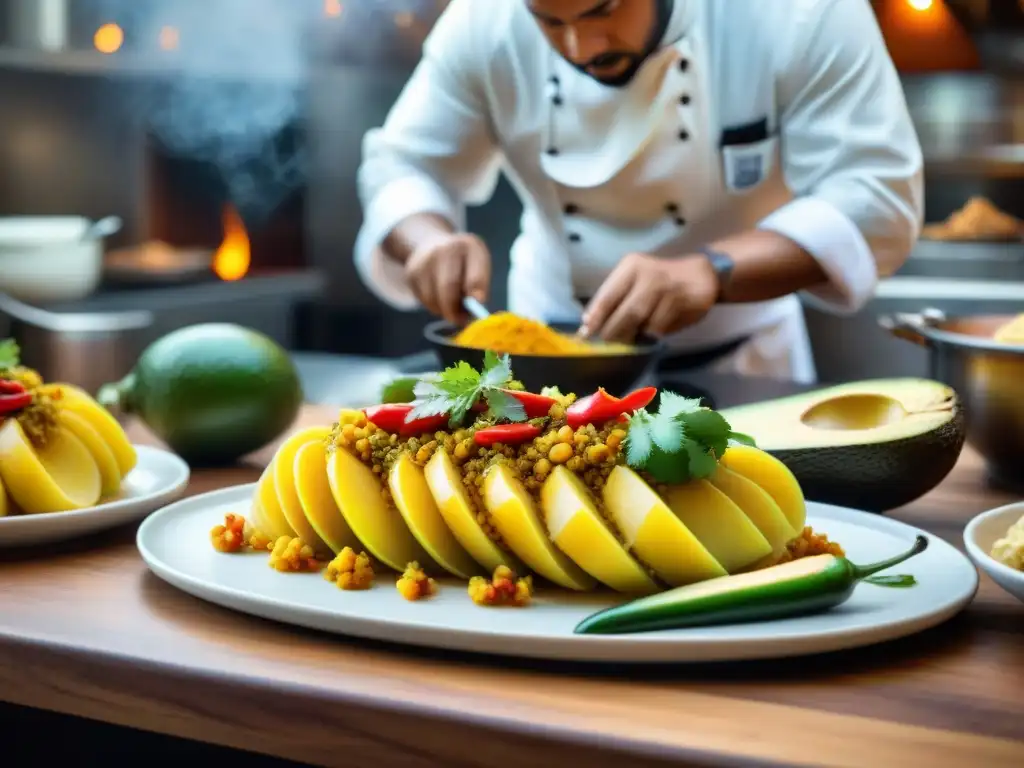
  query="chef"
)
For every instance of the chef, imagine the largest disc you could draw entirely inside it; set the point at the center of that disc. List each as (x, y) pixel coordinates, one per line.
(689, 169)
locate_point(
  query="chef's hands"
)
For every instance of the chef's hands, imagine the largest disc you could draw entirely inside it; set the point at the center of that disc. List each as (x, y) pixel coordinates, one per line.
(656, 296)
(446, 268)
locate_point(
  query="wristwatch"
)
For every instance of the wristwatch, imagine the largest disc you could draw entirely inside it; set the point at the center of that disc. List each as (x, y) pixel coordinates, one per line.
(722, 265)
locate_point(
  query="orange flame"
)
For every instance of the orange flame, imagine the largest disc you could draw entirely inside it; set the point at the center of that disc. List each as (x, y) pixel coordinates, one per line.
(232, 259)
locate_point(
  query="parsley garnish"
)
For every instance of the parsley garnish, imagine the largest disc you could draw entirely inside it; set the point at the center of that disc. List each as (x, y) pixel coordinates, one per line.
(10, 354)
(457, 389)
(897, 581)
(681, 442)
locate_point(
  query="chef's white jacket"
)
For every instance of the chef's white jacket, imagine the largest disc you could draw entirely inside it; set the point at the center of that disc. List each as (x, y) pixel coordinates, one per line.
(784, 115)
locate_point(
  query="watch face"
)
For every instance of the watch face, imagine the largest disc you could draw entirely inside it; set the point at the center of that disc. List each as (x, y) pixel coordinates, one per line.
(722, 266)
(721, 263)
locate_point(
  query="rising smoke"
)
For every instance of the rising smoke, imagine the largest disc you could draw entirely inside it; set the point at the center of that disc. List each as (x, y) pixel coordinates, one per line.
(234, 89)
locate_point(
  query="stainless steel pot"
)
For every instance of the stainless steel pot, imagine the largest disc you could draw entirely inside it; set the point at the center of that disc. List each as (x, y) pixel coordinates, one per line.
(87, 349)
(987, 375)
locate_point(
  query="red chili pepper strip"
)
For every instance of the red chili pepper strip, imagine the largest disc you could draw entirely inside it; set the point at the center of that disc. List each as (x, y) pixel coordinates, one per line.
(15, 402)
(8, 387)
(391, 417)
(536, 406)
(507, 434)
(601, 407)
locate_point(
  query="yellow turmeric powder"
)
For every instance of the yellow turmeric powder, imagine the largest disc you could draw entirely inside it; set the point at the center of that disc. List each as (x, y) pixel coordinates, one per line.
(506, 333)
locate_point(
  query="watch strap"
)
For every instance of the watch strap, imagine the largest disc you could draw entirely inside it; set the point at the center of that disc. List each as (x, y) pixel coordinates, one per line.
(722, 265)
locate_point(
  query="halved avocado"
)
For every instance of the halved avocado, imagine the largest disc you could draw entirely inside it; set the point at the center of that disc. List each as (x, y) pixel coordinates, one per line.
(873, 445)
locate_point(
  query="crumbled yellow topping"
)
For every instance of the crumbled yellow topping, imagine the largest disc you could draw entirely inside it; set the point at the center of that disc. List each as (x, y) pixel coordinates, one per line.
(229, 537)
(40, 418)
(503, 589)
(415, 584)
(291, 555)
(350, 571)
(259, 540)
(808, 544)
(235, 533)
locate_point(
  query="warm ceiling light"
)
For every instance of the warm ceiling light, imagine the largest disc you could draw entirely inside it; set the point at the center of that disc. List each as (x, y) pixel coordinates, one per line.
(169, 38)
(921, 5)
(108, 38)
(332, 7)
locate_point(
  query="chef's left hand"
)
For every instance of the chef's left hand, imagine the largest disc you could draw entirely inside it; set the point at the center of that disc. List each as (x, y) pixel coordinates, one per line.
(656, 296)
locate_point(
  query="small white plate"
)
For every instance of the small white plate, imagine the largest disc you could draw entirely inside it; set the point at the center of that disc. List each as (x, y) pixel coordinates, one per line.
(175, 544)
(979, 536)
(158, 479)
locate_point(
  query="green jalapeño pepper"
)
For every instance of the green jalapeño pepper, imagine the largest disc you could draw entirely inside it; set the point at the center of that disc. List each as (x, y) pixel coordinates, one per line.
(601, 407)
(798, 587)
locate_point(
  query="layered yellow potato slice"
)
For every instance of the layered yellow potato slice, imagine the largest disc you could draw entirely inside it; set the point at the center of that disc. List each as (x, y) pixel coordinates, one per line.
(772, 476)
(285, 482)
(99, 449)
(317, 500)
(464, 516)
(72, 399)
(62, 451)
(374, 520)
(655, 532)
(58, 477)
(411, 492)
(467, 511)
(516, 516)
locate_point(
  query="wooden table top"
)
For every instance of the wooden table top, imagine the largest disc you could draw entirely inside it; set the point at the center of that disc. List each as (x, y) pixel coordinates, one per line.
(87, 630)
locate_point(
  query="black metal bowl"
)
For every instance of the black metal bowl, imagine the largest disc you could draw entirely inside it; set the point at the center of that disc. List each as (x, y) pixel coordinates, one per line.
(618, 373)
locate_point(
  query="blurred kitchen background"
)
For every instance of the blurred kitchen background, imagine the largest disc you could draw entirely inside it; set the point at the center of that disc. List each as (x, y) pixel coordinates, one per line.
(226, 136)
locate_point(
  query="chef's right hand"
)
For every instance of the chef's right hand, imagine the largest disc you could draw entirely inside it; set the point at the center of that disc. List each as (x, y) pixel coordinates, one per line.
(450, 266)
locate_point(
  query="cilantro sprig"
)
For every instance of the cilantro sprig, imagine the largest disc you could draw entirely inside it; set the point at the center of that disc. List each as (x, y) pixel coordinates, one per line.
(455, 390)
(10, 354)
(683, 441)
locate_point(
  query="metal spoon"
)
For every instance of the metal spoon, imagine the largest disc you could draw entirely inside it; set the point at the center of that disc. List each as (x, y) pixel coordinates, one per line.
(475, 308)
(105, 227)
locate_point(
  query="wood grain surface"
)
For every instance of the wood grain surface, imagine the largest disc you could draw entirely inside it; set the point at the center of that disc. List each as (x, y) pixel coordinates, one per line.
(87, 630)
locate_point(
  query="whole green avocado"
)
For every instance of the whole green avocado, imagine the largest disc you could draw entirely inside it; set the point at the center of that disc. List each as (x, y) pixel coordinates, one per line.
(213, 392)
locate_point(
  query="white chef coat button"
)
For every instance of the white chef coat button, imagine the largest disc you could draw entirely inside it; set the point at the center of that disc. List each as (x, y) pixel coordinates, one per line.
(684, 135)
(684, 99)
(684, 65)
(552, 151)
(574, 237)
(556, 100)
(571, 209)
(554, 80)
(680, 221)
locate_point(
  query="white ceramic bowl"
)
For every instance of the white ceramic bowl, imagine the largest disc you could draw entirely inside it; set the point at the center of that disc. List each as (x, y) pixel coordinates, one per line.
(46, 259)
(979, 536)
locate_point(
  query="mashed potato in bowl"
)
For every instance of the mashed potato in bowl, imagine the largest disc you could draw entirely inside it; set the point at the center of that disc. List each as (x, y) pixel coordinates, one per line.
(1009, 550)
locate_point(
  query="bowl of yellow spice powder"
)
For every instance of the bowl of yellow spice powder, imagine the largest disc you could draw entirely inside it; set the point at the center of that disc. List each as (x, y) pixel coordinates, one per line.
(546, 355)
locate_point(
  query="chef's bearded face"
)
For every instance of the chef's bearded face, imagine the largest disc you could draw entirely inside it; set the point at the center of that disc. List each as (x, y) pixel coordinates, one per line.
(607, 39)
